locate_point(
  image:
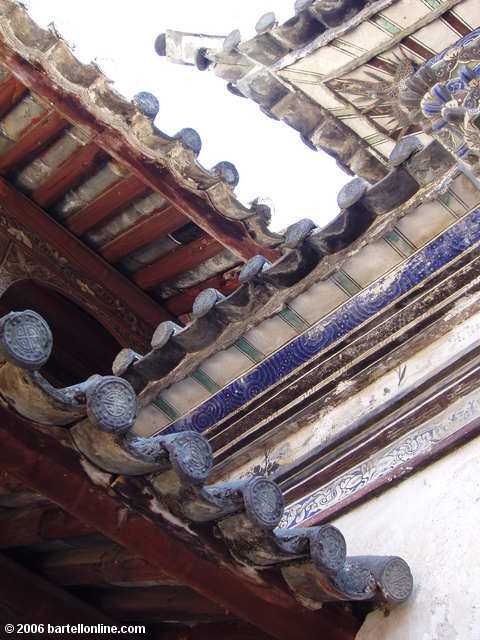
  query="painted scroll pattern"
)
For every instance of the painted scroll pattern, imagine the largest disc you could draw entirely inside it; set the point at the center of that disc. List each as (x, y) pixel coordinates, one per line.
(383, 465)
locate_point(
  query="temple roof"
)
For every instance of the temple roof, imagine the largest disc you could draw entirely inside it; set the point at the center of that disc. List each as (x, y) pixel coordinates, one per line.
(334, 71)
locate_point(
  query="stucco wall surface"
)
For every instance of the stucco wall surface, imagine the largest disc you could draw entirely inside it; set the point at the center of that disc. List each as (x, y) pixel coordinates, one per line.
(432, 519)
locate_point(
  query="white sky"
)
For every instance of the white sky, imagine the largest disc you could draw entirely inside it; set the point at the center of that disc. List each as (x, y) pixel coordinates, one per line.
(269, 155)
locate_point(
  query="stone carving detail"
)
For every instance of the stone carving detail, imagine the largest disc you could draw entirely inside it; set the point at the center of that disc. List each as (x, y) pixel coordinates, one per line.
(112, 404)
(26, 339)
(263, 502)
(397, 581)
(328, 548)
(191, 456)
(444, 96)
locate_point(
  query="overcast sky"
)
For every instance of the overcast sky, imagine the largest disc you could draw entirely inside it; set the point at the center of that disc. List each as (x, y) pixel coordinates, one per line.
(270, 157)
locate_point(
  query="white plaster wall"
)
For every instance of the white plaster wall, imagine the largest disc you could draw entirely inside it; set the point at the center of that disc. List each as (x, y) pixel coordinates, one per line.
(432, 520)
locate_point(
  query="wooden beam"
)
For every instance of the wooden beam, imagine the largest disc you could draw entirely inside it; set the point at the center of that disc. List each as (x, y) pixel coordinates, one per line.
(154, 225)
(50, 126)
(35, 525)
(69, 174)
(154, 604)
(179, 260)
(117, 196)
(214, 631)
(183, 302)
(39, 601)
(11, 92)
(233, 234)
(80, 257)
(99, 564)
(39, 461)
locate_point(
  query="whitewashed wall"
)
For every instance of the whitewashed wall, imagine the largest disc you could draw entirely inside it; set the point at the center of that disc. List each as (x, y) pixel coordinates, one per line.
(432, 519)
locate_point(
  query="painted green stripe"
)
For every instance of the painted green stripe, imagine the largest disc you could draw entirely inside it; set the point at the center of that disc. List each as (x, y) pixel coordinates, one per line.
(202, 378)
(249, 350)
(346, 283)
(348, 47)
(384, 23)
(433, 3)
(375, 138)
(167, 409)
(451, 201)
(293, 319)
(399, 243)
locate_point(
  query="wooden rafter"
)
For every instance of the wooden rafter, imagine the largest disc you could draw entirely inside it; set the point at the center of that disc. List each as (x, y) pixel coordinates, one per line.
(31, 456)
(106, 205)
(154, 603)
(38, 601)
(177, 261)
(97, 565)
(35, 525)
(232, 234)
(86, 261)
(183, 302)
(11, 92)
(152, 226)
(69, 174)
(33, 141)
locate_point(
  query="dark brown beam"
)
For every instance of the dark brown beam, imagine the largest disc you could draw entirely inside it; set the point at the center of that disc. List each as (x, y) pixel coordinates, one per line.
(11, 92)
(153, 226)
(106, 205)
(98, 564)
(214, 631)
(86, 261)
(154, 604)
(39, 601)
(39, 461)
(36, 138)
(35, 525)
(69, 174)
(183, 302)
(231, 233)
(177, 261)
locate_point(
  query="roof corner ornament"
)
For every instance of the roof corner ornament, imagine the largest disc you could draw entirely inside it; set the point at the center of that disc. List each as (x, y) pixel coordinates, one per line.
(444, 97)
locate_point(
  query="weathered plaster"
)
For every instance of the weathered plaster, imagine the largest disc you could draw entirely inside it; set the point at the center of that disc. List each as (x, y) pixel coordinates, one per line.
(432, 521)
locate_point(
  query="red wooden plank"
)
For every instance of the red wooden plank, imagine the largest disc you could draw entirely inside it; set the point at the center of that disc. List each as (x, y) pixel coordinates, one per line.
(69, 174)
(38, 460)
(152, 226)
(19, 206)
(183, 302)
(177, 261)
(106, 205)
(35, 139)
(233, 234)
(36, 600)
(11, 92)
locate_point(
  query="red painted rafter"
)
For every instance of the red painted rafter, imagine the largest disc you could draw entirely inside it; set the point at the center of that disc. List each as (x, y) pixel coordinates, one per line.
(106, 205)
(231, 233)
(11, 92)
(86, 261)
(69, 174)
(152, 226)
(35, 139)
(177, 261)
(38, 460)
(183, 302)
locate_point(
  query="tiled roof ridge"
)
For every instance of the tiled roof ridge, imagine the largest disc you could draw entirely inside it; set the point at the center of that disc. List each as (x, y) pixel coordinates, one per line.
(250, 67)
(132, 119)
